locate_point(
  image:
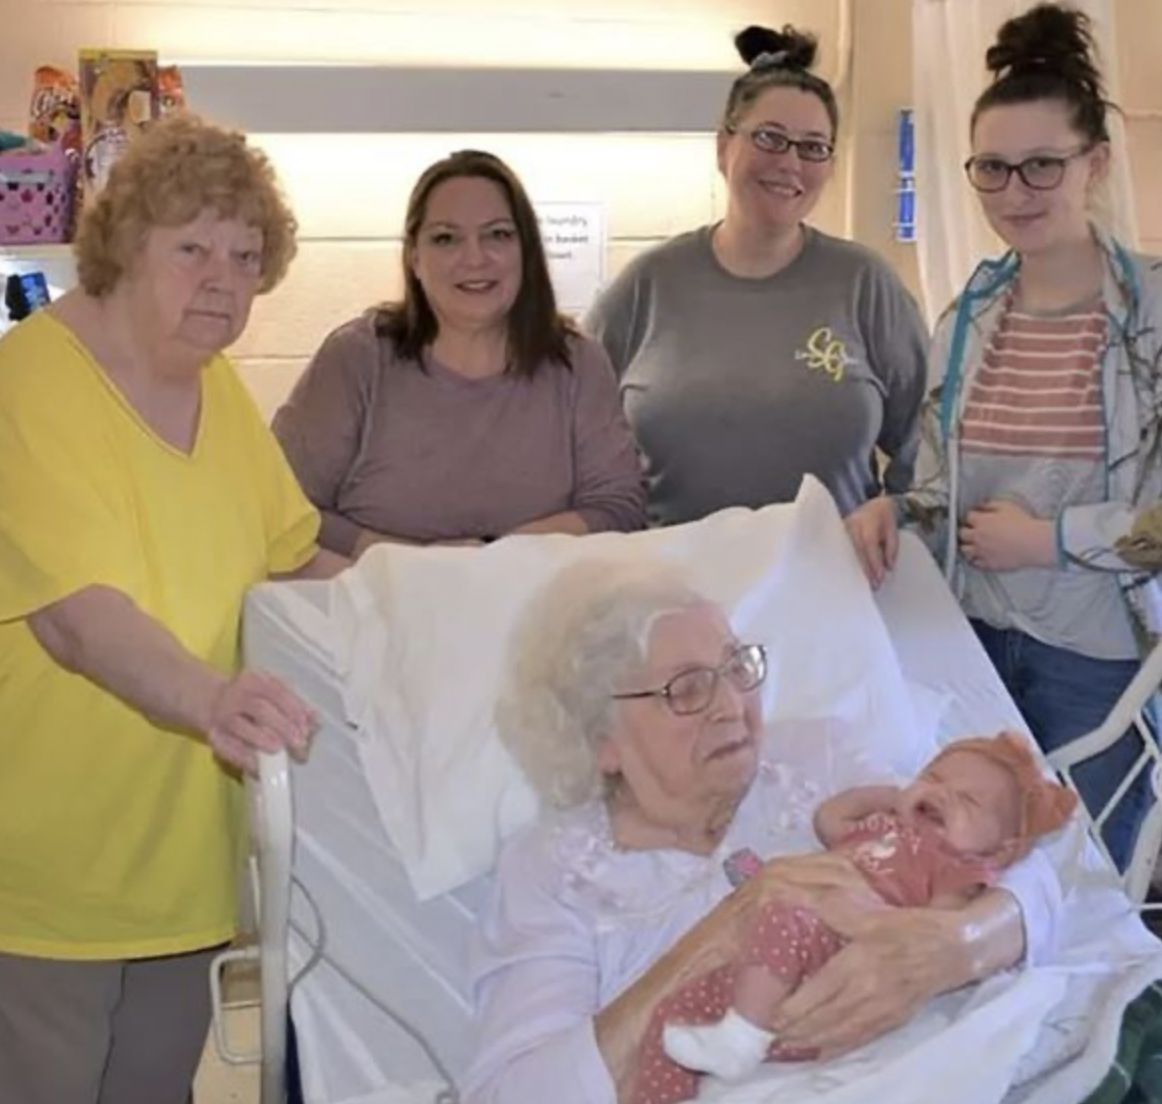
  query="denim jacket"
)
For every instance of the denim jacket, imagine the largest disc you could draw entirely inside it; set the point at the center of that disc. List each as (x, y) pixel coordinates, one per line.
(1091, 537)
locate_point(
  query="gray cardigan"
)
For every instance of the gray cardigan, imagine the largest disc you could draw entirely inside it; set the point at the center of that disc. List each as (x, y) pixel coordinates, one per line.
(1088, 536)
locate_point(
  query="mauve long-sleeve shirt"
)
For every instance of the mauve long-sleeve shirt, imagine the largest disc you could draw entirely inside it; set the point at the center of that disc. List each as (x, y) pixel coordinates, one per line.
(428, 454)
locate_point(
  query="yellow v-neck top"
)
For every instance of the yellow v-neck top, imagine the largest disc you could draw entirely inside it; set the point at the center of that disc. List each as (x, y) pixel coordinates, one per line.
(120, 838)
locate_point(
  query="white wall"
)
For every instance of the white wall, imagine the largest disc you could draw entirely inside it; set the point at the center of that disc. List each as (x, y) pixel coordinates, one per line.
(1139, 31)
(349, 191)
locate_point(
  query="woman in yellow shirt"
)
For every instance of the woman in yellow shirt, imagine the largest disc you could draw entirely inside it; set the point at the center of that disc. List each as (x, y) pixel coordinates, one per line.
(140, 497)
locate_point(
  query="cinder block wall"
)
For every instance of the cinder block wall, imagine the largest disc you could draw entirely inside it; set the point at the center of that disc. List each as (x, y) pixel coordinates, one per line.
(349, 191)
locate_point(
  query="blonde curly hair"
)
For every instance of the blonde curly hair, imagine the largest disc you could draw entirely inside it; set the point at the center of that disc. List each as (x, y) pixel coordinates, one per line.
(584, 636)
(180, 167)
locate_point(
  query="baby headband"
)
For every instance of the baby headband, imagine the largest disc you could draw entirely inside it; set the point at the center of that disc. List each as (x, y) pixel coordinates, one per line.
(1046, 805)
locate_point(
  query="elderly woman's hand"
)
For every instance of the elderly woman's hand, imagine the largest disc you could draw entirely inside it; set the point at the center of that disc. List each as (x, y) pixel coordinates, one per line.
(897, 960)
(255, 712)
(801, 879)
(797, 880)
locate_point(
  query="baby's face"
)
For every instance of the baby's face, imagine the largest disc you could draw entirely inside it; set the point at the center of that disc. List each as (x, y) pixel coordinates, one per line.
(974, 802)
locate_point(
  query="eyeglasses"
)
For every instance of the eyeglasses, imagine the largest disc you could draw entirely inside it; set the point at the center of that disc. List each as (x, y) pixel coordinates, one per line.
(770, 140)
(1042, 173)
(692, 691)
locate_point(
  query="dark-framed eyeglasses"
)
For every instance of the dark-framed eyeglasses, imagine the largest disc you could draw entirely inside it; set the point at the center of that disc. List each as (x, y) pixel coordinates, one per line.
(1043, 172)
(768, 139)
(692, 691)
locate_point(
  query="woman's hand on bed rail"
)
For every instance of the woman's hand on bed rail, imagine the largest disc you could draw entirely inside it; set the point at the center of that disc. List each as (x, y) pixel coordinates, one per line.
(255, 712)
(100, 632)
(876, 537)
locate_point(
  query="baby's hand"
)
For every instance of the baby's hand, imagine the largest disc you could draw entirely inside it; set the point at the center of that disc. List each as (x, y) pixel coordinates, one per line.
(904, 803)
(839, 815)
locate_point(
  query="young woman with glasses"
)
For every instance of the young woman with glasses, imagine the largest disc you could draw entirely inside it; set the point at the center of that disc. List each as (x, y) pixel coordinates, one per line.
(758, 349)
(1042, 447)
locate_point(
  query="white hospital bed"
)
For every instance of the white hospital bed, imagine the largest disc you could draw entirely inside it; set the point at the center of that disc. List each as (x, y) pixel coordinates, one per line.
(412, 956)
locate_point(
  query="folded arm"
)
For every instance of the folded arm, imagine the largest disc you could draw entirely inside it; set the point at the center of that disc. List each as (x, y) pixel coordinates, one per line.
(567, 521)
(897, 342)
(609, 490)
(837, 816)
(1110, 536)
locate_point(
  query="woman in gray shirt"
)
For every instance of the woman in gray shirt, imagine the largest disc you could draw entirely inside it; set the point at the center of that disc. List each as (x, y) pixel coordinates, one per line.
(471, 409)
(756, 350)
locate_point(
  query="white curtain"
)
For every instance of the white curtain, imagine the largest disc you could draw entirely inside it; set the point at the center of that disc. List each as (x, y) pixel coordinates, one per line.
(949, 40)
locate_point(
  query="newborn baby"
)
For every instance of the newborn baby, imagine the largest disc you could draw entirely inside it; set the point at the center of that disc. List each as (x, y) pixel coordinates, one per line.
(976, 808)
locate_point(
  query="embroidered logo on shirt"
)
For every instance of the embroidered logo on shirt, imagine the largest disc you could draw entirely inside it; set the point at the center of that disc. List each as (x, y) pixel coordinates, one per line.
(741, 866)
(824, 352)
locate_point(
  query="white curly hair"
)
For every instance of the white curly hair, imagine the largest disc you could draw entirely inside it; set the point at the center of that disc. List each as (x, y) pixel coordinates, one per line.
(584, 636)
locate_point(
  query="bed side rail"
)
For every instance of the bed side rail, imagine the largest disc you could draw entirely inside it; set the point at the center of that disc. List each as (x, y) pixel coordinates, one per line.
(1129, 713)
(272, 831)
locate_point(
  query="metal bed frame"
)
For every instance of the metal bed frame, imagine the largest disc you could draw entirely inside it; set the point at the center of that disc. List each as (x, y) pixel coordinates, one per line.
(272, 812)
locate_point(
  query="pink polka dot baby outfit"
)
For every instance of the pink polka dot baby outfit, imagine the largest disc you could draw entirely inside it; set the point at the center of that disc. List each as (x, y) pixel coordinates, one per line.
(905, 862)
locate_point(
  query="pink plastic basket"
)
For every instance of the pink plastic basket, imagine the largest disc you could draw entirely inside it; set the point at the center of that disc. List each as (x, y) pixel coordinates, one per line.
(36, 197)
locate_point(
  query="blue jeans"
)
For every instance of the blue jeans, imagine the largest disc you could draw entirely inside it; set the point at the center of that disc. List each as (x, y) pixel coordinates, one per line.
(1063, 695)
(294, 1084)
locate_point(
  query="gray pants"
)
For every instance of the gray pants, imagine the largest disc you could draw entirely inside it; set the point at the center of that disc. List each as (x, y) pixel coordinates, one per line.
(102, 1032)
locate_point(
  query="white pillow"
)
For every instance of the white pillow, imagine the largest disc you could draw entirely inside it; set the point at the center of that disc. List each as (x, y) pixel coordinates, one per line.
(425, 632)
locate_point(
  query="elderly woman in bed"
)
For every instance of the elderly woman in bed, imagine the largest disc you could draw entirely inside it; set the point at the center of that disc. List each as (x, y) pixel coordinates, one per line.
(635, 712)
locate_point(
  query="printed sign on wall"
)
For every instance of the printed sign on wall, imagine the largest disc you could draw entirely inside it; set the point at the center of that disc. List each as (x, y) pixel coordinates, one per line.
(574, 236)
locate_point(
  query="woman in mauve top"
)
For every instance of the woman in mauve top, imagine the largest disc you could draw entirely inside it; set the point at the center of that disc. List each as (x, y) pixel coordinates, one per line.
(471, 409)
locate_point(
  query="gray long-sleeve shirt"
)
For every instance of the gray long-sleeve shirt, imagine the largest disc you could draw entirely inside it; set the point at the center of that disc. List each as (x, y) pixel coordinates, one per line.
(379, 443)
(737, 387)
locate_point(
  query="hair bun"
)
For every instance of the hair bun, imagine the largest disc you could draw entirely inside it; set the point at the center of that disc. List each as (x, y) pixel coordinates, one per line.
(785, 49)
(1048, 37)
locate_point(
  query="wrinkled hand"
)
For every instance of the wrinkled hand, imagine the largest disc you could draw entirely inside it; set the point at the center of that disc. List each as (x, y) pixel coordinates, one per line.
(897, 960)
(255, 712)
(876, 536)
(1004, 536)
(800, 881)
(797, 880)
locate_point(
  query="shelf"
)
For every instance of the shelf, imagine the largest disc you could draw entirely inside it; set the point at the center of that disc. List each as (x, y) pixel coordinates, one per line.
(53, 251)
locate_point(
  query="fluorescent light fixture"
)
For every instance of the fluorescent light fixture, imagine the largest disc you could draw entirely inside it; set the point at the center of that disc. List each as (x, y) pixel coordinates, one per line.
(363, 99)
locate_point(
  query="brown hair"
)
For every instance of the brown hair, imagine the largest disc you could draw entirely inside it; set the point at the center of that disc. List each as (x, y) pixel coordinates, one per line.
(536, 331)
(777, 59)
(168, 176)
(1048, 54)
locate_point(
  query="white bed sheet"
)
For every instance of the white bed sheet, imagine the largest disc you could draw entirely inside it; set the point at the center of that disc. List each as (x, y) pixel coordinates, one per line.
(413, 955)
